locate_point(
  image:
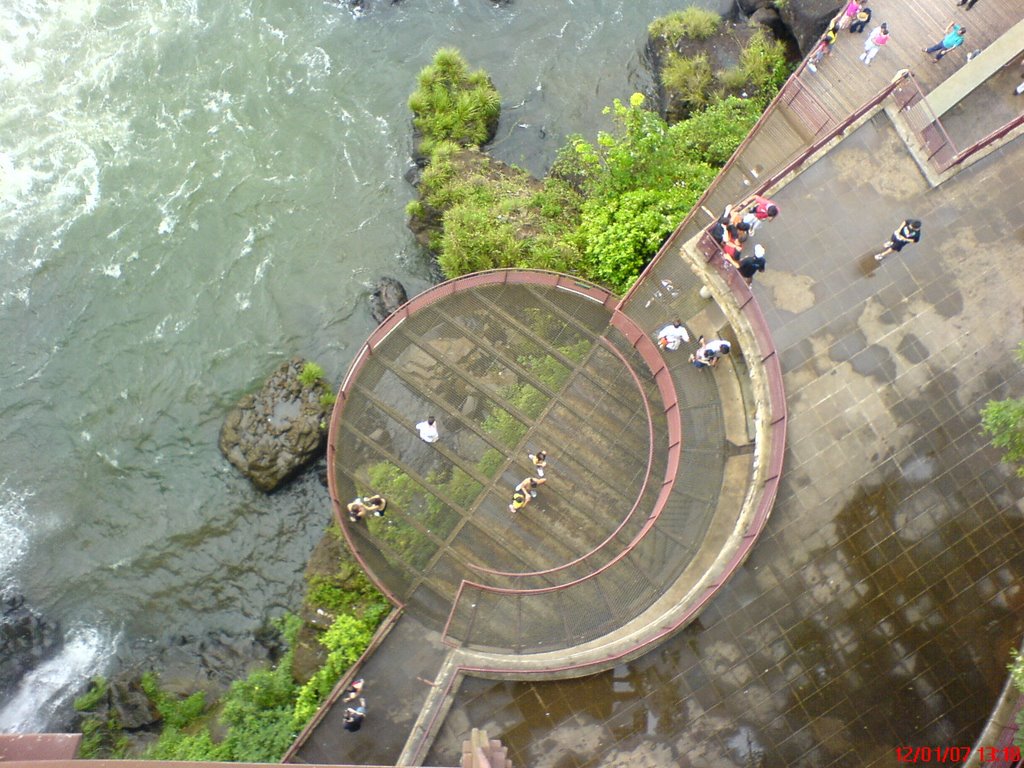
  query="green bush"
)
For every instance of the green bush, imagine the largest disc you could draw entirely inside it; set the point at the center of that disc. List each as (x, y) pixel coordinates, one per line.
(491, 462)
(693, 23)
(763, 61)
(176, 712)
(1003, 421)
(452, 104)
(689, 78)
(328, 399)
(504, 427)
(713, 134)
(256, 711)
(93, 696)
(733, 80)
(310, 374)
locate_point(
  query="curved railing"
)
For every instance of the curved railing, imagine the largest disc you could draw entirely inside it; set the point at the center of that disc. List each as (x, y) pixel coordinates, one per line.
(437, 293)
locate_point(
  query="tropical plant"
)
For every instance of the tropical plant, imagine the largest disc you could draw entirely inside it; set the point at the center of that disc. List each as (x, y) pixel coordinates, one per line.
(452, 104)
(693, 23)
(310, 374)
(1003, 421)
(689, 78)
(763, 61)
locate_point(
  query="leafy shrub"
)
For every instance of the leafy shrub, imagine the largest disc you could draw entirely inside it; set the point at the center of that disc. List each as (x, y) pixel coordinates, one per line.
(328, 399)
(452, 104)
(689, 78)
(392, 483)
(504, 427)
(490, 462)
(763, 61)
(96, 692)
(1003, 421)
(693, 23)
(176, 712)
(733, 80)
(310, 374)
(712, 135)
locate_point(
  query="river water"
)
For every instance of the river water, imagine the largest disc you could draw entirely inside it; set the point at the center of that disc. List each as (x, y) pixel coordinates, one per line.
(190, 192)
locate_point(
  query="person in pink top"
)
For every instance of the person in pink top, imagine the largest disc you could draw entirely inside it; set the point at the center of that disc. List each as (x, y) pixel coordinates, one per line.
(849, 14)
(878, 37)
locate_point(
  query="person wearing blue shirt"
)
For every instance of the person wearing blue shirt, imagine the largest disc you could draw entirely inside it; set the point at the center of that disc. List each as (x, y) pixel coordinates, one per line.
(953, 38)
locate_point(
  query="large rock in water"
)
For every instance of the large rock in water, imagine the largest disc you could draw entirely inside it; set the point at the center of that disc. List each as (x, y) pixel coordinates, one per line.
(387, 296)
(273, 434)
(26, 639)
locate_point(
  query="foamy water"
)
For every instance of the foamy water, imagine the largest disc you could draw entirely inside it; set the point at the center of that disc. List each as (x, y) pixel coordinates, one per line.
(53, 685)
(189, 194)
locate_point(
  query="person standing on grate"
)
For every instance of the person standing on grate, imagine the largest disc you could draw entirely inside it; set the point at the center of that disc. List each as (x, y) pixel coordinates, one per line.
(673, 335)
(540, 460)
(428, 430)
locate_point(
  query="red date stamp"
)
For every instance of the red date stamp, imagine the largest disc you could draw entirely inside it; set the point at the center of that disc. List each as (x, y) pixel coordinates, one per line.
(957, 754)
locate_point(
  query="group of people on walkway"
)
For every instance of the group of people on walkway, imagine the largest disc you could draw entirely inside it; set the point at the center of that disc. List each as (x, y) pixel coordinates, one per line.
(856, 15)
(707, 354)
(355, 712)
(525, 491)
(736, 226)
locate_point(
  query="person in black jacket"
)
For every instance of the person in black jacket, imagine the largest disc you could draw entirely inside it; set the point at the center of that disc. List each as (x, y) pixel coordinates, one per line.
(751, 265)
(907, 232)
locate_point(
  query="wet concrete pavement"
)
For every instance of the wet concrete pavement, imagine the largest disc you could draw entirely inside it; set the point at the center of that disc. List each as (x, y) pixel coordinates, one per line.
(880, 605)
(394, 693)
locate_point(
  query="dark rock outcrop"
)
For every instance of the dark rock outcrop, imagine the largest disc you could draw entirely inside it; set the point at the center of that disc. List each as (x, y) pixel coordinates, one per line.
(387, 296)
(274, 433)
(26, 639)
(808, 19)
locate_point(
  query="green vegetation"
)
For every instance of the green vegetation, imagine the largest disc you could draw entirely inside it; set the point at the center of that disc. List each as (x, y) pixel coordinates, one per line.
(762, 70)
(1016, 667)
(689, 78)
(101, 734)
(763, 62)
(692, 23)
(714, 133)
(328, 399)
(607, 206)
(453, 105)
(258, 716)
(311, 373)
(1003, 421)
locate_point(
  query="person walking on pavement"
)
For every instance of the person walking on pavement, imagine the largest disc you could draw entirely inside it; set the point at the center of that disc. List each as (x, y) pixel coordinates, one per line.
(751, 265)
(877, 37)
(761, 209)
(953, 38)
(824, 47)
(968, 3)
(907, 232)
(354, 716)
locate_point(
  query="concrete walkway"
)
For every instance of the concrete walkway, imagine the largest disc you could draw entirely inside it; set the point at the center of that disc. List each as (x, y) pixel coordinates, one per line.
(880, 605)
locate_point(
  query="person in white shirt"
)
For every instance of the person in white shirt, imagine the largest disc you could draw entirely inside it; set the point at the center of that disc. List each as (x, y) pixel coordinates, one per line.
(428, 430)
(672, 336)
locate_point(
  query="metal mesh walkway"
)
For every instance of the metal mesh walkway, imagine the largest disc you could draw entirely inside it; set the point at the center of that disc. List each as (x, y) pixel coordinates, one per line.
(510, 363)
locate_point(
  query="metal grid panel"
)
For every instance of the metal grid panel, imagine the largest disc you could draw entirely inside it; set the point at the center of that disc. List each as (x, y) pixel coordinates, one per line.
(507, 369)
